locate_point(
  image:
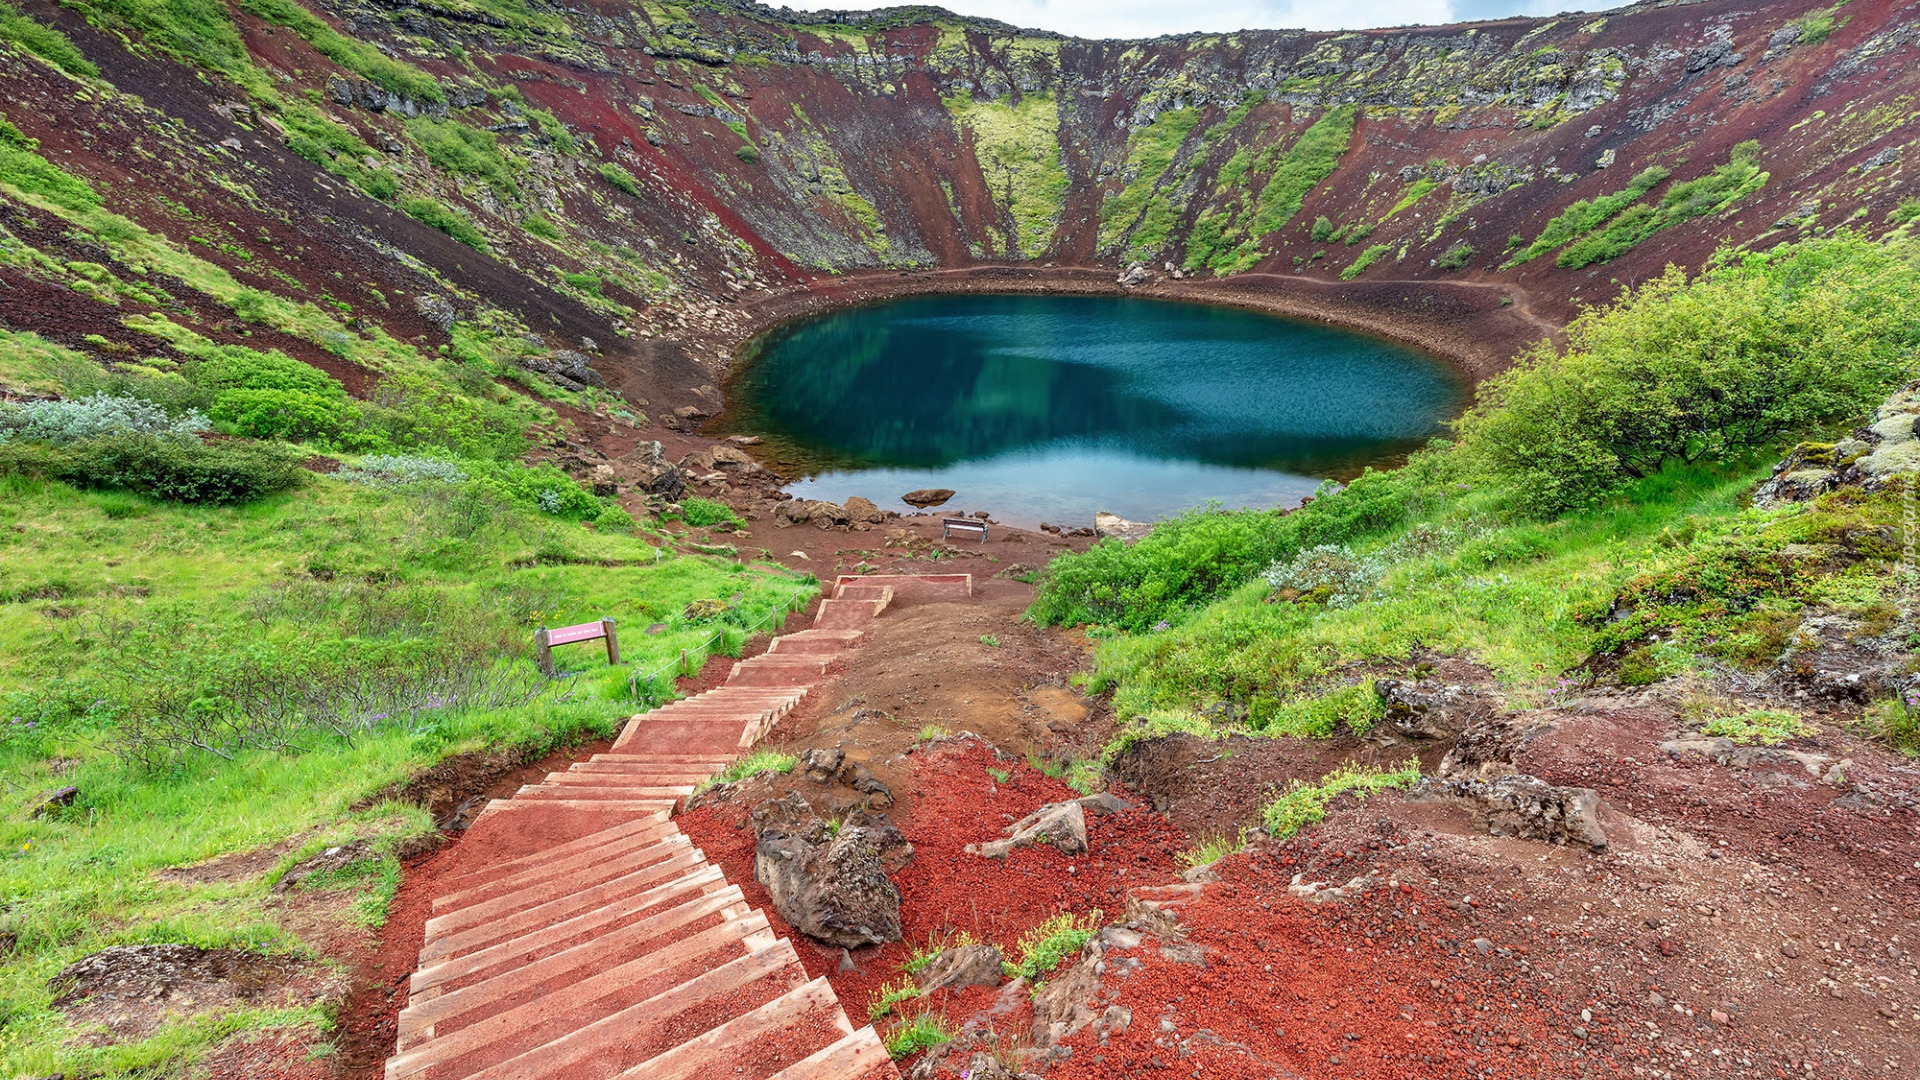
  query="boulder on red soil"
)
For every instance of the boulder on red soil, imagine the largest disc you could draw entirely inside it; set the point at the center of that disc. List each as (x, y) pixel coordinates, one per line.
(829, 882)
(1428, 709)
(925, 497)
(647, 464)
(1062, 825)
(819, 513)
(962, 966)
(1524, 806)
(861, 511)
(1067, 1002)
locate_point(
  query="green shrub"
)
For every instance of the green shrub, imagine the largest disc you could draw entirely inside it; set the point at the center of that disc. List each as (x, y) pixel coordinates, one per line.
(1899, 723)
(1455, 257)
(1356, 708)
(280, 414)
(754, 764)
(169, 469)
(335, 148)
(542, 487)
(1768, 726)
(65, 422)
(236, 367)
(465, 151)
(1758, 346)
(541, 227)
(701, 513)
(923, 1032)
(1041, 949)
(1193, 558)
(356, 56)
(43, 41)
(747, 153)
(586, 283)
(435, 215)
(1584, 216)
(1365, 259)
(409, 412)
(1908, 210)
(1309, 161)
(620, 178)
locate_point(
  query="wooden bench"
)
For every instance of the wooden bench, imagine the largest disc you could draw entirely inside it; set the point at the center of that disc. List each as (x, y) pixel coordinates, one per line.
(963, 526)
(544, 640)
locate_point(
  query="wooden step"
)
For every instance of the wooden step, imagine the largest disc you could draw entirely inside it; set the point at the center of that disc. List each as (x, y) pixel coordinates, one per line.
(576, 999)
(550, 792)
(649, 830)
(915, 586)
(620, 779)
(577, 866)
(853, 1057)
(783, 1012)
(535, 942)
(492, 901)
(518, 914)
(606, 1035)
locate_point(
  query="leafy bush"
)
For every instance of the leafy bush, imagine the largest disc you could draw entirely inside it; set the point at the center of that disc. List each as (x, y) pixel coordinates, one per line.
(1758, 346)
(620, 178)
(540, 227)
(411, 411)
(1193, 558)
(701, 513)
(541, 487)
(161, 466)
(281, 414)
(923, 1032)
(236, 367)
(65, 422)
(586, 283)
(465, 151)
(400, 470)
(747, 153)
(20, 167)
(1768, 726)
(1455, 257)
(435, 215)
(43, 41)
(1365, 259)
(1327, 574)
(1899, 722)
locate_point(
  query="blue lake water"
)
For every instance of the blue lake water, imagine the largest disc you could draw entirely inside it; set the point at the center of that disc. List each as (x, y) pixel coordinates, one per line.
(1052, 408)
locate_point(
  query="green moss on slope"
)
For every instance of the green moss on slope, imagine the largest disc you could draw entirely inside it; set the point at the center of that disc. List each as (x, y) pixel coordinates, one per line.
(1018, 147)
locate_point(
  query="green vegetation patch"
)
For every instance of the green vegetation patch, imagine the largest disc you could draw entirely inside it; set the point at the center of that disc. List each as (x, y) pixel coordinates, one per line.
(1584, 216)
(437, 215)
(43, 41)
(356, 56)
(1017, 144)
(1042, 948)
(1365, 259)
(1303, 804)
(1150, 153)
(1700, 197)
(620, 178)
(1766, 726)
(465, 151)
(1304, 166)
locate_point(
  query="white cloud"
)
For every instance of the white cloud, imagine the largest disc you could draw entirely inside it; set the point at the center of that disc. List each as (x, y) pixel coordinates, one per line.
(1151, 18)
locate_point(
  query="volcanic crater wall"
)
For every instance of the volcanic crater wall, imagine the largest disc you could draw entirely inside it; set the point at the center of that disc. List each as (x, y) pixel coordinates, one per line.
(637, 180)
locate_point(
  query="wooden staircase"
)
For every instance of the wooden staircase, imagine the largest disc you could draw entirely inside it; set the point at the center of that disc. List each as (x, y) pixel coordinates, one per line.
(615, 951)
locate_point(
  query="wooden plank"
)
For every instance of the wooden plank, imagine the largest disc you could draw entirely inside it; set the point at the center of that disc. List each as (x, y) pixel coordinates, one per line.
(575, 998)
(593, 859)
(502, 919)
(782, 1012)
(556, 1057)
(849, 1059)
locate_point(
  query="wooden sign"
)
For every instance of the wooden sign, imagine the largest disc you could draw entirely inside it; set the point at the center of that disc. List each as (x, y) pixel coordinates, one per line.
(544, 640)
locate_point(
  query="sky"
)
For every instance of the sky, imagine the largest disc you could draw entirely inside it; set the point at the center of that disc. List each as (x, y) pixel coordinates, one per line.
(1151, 18)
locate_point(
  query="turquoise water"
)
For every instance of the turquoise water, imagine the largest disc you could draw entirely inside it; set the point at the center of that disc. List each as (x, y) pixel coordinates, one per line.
(1051, 408)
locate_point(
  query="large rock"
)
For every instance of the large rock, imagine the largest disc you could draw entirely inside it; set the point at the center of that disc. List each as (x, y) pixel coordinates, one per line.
(816, 512)
(1113, 525)
(1059, 825)
(1430, 710)
(862, 511)
(1523, 806)
(829, 883)
(566, 367)
(962, 966)
(925, 497)
(647, 464)
(1069, 1001)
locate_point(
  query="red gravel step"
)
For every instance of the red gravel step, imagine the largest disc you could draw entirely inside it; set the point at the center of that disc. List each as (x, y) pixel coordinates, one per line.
(827, 643)
(630, 777)
(549, 792)
(844, 614)
(927, 586)
(703, 735)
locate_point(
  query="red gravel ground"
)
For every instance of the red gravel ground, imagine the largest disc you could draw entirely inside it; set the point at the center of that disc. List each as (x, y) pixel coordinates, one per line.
(945, 890)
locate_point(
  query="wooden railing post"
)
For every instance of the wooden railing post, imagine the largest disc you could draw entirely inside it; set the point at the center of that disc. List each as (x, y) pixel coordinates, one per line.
(613, 643)
(543, 651)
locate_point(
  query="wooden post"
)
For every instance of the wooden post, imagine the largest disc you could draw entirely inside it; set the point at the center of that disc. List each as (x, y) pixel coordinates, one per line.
(543, 651)
(613, 643)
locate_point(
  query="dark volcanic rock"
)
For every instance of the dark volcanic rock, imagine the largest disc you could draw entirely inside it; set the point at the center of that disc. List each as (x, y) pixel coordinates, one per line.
(830, 883)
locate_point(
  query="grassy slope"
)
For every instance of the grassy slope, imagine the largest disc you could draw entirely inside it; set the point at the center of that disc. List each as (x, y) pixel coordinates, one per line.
(82, 569)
